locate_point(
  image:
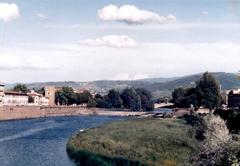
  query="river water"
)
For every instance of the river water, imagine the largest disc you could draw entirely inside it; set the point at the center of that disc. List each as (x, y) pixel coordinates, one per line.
(42, 142)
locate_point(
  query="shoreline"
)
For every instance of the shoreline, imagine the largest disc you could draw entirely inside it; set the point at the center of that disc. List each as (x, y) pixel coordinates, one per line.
(32, 112)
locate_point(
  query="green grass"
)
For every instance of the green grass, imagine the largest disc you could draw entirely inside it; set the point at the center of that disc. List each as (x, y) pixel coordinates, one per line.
(142, 141)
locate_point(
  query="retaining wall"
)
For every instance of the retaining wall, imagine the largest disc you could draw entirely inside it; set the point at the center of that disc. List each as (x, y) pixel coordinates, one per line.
(24, 112)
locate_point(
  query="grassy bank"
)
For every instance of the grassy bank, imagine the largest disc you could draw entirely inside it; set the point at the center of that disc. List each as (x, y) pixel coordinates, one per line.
(135, 142)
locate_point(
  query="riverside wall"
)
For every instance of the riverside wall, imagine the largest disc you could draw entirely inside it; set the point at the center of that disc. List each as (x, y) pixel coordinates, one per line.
(26, 112)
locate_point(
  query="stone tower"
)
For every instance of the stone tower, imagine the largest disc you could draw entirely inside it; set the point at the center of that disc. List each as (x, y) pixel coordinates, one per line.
(1, 94)
(50, 94)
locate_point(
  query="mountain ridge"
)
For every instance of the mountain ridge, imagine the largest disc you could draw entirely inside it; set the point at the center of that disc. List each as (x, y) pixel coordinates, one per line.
(165, 85)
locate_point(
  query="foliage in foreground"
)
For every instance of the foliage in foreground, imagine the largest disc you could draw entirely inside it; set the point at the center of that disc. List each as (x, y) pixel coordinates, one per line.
(218, 147)
(135, 142)
(232, 118)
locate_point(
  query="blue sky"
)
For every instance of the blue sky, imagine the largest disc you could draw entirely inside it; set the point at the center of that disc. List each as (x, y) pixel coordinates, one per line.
(82, 40)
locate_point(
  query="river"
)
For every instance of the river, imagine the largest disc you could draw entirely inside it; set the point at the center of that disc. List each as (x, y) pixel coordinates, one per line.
(42, 142)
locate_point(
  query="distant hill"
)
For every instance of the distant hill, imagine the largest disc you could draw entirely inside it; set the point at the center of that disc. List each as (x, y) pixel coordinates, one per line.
(163, 86)
(159, 80)
(226, 80)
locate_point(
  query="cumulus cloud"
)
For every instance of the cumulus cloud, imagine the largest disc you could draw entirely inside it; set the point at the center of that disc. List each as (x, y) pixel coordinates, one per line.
(132, 15)
(8, 12)
(111, 41)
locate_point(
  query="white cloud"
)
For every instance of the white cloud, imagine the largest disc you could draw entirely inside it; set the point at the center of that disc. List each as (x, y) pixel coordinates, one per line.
(157, 59)
(205, 12)
(132, 15)
(111, 41)
(42, 16)
(12, 62)
(8, 12)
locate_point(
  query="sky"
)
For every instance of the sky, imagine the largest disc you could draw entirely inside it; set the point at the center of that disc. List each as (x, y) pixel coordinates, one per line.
(85, 40)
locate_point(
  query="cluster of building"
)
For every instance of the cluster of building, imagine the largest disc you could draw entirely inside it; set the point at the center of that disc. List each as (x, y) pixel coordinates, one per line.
(32, 98)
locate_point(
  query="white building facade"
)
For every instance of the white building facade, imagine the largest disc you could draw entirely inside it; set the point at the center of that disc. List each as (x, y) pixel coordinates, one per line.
(38, 99)
(12, 98)
(15, 99)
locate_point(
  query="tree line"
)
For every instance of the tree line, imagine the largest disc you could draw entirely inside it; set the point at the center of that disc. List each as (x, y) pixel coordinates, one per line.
(66, 96)
(206, 93)
(129, 98)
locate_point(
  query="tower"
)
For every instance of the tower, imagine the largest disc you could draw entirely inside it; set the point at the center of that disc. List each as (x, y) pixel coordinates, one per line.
(1, 94)
(50, 94)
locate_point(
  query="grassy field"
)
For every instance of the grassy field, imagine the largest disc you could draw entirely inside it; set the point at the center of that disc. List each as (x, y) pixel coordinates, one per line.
(135, 142)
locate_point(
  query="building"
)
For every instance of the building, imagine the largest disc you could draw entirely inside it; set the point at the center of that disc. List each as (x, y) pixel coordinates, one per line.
(1, 94)
(44, 101)
(233, 99)
(37, 99)
(50, 94)
(12, 98)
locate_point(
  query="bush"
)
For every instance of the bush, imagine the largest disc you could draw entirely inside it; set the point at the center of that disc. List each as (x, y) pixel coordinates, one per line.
(231, 155)
(216, 142)
(232, 118)
(198, 123)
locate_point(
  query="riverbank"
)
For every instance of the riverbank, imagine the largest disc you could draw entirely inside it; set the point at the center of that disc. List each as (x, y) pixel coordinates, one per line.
(27, 112)
(144, 141)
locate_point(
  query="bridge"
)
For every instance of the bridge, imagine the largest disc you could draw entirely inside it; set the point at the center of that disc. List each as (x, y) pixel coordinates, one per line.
(162, 105)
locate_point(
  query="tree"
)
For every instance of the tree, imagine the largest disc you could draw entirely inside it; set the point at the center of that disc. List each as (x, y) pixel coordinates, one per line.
(191, 98)
(177, 96)
(40, 91)
(21, 88)
(131, 100)
(184, 98)
(146, 99)
(206, 93)
(113, 99)
(100, 102)
(66, 96)
(208, 90)
(98, 96)
(83, 98)
(70, 95)
(91, 103)
(60, 98)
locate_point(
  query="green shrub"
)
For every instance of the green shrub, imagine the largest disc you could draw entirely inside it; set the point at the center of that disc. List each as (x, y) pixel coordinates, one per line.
(232, 118)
